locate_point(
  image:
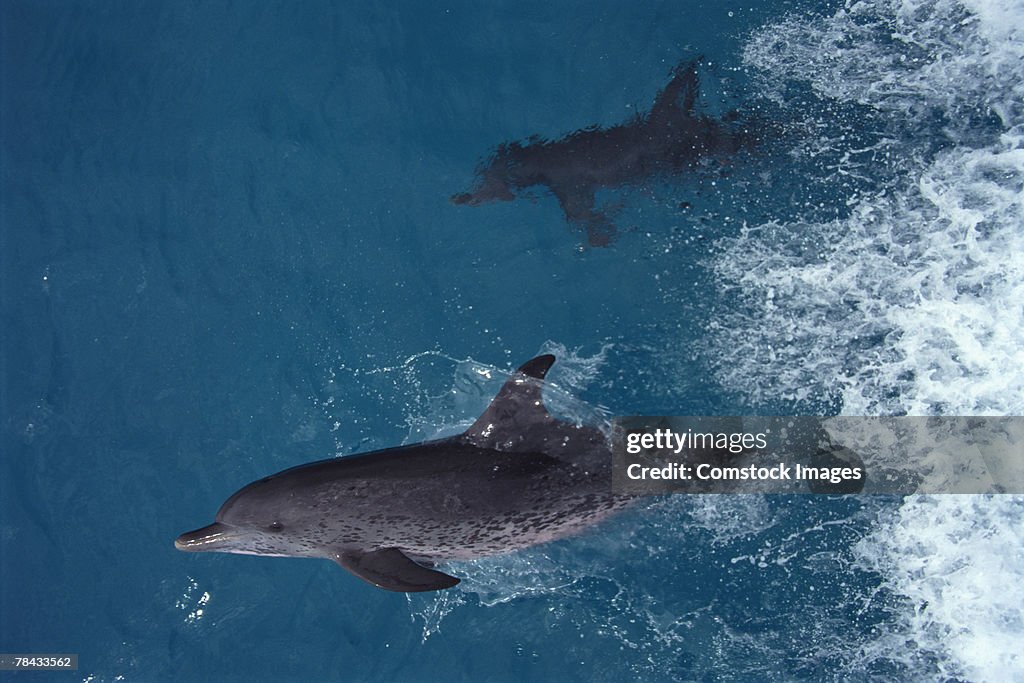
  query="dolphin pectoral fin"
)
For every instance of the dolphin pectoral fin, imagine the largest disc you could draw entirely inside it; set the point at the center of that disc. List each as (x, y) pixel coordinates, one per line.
(391, 570)
(578, 204)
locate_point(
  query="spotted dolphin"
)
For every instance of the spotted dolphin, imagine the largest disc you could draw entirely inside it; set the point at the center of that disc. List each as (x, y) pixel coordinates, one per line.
(516, 478)
(669, 139)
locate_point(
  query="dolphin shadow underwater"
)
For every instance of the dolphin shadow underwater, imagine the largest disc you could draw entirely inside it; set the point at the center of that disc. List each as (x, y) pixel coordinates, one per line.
(669, 139)
(516, 478)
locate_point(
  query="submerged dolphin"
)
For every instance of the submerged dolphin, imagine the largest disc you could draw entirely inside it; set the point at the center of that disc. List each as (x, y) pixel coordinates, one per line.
(668, 139)
(517, 477)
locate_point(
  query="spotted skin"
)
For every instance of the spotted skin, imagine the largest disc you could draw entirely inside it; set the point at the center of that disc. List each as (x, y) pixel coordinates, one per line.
(517, 478)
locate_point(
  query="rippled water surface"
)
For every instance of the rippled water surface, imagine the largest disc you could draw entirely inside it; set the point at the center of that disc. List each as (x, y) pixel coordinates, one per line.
(228, 248)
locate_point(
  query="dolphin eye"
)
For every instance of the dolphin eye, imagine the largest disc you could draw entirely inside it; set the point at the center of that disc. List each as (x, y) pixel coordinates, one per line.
(275, 526)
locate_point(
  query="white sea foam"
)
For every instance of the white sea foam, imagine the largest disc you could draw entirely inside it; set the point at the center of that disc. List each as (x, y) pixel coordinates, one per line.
(958, 562)
(910, 303)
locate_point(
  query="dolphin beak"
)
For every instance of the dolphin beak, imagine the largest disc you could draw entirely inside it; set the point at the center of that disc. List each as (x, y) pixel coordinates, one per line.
(213, 537)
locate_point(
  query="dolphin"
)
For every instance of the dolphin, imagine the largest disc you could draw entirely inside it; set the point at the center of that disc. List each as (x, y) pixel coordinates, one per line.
(516, 478)
(668, 139)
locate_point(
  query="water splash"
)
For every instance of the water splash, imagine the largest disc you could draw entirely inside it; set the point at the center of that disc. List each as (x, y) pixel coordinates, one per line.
(908, 302)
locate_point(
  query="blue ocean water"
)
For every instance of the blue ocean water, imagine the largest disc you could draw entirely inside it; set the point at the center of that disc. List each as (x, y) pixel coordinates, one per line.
(228, 248)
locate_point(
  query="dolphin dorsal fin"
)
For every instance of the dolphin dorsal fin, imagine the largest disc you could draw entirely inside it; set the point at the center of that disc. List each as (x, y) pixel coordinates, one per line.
(684, 85)
(516, 407)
